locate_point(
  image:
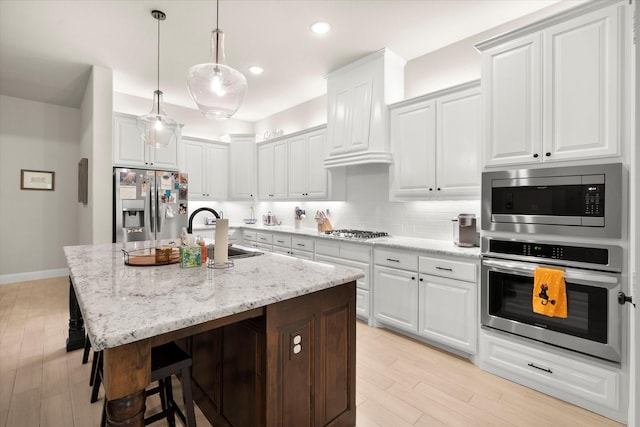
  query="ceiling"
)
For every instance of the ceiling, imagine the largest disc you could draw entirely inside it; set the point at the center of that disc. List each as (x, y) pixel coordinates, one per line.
(48, 46)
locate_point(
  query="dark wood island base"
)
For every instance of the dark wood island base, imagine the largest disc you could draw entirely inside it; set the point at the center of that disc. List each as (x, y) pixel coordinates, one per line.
(291, 363)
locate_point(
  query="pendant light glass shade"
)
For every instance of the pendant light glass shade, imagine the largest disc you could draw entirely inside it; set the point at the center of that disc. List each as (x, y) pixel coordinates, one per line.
(156, 128)
(217, 89)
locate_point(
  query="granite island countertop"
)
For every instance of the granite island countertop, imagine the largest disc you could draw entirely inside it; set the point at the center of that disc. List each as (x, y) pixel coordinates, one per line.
(122, 304)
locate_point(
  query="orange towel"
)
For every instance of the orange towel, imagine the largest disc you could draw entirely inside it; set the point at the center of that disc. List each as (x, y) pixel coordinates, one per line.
(549, 292)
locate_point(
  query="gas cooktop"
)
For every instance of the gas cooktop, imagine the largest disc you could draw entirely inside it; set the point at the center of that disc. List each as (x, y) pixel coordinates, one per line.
(356, 234)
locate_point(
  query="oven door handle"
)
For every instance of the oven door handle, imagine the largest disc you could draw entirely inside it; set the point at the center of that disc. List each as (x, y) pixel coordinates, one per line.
(569, 274)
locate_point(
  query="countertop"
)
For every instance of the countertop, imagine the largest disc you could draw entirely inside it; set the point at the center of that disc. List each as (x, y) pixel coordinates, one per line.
(441, 247)
(122, 304)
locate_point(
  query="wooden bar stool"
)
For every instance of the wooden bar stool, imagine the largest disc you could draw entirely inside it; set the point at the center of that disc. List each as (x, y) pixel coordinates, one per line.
(166, 360)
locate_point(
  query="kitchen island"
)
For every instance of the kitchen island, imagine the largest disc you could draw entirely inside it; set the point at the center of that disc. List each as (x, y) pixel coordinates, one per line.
(272, 338)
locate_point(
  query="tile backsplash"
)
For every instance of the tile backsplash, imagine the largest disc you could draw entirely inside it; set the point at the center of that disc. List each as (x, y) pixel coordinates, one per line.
(367, 207)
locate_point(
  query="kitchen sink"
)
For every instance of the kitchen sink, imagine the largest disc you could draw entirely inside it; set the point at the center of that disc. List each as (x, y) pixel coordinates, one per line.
(235, 252)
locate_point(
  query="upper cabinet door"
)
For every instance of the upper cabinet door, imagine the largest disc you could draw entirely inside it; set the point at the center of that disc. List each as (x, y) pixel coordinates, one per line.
(166, 157)
(193, 163)
(458, 143)
(216, 171)
(511, 80)
(280, 165)
(128, 148)
(297, 166)
(413, 142)
(265, 171)
(582, 80)
(317, 175)
(242, 166)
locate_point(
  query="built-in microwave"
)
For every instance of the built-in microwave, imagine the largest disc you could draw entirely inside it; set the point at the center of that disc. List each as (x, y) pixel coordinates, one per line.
(583, 201)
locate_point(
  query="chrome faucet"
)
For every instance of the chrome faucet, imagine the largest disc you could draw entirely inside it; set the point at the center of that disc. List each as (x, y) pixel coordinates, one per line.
(190, 225)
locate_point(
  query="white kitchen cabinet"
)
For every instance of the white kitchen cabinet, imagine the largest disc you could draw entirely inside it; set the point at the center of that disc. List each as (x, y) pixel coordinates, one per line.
(553, 91)
(249, 238)
(395, 289)
(129, 150)
(433, 297)
(358, 116)
(242, 166)
(448, 302)
(595, 385)
(281, 244)
(395, 301)
(436, 141)
(308, 178)
(206, 163)
(352, 256)
(272, 170)
(302, 247)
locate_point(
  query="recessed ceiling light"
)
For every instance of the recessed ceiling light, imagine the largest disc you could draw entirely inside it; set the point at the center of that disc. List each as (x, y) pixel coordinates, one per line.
(255, 69)
(320, 27)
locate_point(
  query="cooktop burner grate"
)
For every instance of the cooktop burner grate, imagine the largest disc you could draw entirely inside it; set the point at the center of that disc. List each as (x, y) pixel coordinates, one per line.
(356, 234)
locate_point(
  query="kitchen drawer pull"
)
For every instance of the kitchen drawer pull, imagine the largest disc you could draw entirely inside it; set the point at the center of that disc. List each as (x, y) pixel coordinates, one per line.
(444, 268)
(542, 369)
(393, 260)
(301, 244)
(280, 241)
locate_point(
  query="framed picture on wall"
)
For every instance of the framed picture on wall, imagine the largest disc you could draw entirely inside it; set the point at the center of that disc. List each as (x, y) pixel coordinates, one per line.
(37, 180)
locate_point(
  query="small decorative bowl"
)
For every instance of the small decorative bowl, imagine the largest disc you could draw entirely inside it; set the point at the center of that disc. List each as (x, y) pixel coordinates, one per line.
(250, 221)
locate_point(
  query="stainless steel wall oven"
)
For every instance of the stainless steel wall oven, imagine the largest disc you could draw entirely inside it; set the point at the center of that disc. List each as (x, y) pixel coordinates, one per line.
(592, 274)
(566, 218)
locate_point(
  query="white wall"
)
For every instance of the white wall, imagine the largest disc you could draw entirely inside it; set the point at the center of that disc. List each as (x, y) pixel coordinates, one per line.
(102, 116)
(36, 224)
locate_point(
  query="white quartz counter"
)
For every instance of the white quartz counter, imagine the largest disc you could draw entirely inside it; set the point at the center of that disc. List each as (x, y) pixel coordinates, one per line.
(122, 304)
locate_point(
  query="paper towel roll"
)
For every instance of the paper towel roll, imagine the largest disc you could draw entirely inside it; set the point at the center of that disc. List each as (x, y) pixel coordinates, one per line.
(221, 252)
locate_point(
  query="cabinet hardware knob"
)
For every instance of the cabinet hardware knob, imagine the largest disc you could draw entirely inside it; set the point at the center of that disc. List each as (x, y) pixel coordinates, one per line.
(438, 189)
(421, 279)
(535, 156)
(547, 154)
(413, 278)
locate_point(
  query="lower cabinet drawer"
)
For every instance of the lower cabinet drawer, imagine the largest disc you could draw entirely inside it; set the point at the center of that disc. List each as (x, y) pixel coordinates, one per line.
(282, 240)
(448, 268)
(396, 259)
(302, 243)
(362, 303)
(568, 376)
(265, 238)
(249, 235)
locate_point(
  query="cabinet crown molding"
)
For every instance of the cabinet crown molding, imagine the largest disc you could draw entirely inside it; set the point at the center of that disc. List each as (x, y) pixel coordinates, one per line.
(547, 22)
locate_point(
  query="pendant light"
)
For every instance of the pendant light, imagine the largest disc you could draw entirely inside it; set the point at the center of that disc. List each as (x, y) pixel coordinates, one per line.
(217, 89)
(156, 128)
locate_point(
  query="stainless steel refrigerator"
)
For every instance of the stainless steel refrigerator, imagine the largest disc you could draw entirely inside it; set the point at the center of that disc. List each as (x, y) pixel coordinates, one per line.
(148, 204)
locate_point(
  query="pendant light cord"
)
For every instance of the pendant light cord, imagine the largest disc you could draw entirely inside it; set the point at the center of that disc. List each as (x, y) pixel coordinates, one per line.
(217, 29)
(158, 106)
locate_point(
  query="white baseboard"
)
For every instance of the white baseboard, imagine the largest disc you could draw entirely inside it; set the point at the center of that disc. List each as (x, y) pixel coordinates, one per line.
(33, 275)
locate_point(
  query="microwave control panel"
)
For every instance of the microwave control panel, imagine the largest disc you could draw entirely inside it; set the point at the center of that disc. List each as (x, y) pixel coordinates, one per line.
(594, 199)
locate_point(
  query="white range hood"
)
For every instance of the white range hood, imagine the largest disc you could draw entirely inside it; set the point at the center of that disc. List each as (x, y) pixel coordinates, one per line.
(358, 117)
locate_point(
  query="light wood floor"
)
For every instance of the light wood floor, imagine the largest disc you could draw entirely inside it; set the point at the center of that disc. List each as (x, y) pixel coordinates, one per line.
(399, 382)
